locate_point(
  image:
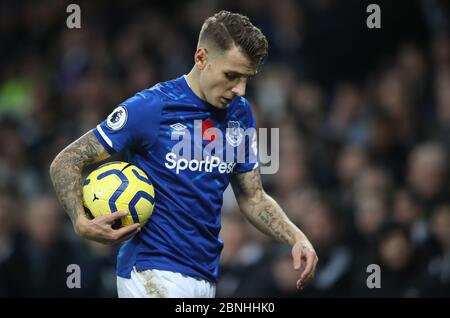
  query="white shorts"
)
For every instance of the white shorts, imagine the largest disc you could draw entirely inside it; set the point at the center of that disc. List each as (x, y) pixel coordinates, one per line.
(163, 284)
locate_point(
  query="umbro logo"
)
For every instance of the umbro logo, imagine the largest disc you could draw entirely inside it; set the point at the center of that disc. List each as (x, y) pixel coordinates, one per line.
(178, 129)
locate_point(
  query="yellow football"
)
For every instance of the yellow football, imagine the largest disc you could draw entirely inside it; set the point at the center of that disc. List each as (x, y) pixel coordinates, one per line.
(116, 186)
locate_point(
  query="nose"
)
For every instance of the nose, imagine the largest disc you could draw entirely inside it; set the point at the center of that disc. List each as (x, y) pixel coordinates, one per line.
(239, 89)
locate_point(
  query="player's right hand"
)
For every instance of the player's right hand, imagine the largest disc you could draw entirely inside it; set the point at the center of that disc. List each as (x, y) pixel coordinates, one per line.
(100, 228)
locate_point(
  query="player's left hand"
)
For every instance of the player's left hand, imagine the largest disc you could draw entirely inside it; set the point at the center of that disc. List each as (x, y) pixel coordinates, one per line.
(304, 259)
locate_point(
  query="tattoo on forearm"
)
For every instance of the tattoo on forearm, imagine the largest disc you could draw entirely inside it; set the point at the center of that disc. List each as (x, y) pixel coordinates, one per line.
(260, 209)
(66, 171)
(274, 218)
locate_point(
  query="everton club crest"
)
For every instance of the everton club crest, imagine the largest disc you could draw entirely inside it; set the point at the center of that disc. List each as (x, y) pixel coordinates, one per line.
(234, 133)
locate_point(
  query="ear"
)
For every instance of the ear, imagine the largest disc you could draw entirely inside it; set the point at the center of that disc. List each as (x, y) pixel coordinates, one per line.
(201, 58)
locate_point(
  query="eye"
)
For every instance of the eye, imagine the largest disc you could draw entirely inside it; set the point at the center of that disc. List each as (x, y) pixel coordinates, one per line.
(230, 76)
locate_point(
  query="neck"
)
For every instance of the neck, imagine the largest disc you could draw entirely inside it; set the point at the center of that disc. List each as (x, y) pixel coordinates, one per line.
(193, 79)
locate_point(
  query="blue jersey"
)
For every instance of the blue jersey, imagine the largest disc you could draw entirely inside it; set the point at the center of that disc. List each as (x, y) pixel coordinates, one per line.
(189, 174)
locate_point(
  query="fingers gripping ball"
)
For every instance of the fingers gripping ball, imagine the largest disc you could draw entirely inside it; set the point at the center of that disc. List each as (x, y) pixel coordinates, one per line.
(117, 186)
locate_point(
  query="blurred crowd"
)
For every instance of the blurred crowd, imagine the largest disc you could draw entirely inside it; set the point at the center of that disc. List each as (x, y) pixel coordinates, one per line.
(364, 119)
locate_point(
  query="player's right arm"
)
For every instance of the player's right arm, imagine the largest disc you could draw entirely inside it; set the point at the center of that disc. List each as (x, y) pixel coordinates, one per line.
(66, 175)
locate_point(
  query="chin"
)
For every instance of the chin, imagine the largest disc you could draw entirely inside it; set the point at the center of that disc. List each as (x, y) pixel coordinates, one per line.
(219, 104)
